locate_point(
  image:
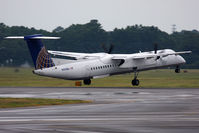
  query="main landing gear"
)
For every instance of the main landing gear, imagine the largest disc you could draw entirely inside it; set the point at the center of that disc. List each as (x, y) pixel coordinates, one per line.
(135, 81)
(87, 81)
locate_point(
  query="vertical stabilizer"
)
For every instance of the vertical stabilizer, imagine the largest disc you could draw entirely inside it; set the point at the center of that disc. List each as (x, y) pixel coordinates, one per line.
(40, 56)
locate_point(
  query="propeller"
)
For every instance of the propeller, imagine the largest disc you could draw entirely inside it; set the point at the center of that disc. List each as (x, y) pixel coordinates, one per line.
(108, 49)
(155, 48)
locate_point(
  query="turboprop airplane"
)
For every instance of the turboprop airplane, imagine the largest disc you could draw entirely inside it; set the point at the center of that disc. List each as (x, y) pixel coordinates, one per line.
(89, 66)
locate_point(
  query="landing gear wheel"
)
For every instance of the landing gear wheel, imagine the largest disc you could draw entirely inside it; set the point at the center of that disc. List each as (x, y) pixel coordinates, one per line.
(87, 81)
(135, 82)
(177, 70)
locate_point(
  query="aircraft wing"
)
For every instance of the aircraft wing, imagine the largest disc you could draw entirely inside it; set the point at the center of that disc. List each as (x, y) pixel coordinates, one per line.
(75, 55)
(175, 53)
(147, 56)
(126, 61)
(139, 56)
(134, 57)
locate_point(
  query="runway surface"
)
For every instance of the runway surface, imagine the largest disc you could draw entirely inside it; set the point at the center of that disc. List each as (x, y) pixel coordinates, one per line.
(114, 110)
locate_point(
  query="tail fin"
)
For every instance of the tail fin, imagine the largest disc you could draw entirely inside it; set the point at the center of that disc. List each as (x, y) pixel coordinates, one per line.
(40, 56)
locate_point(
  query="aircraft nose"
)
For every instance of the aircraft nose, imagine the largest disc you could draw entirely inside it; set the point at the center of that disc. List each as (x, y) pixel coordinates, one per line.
(182, 60)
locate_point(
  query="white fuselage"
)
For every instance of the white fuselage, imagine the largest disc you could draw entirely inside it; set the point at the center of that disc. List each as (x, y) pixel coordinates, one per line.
(105, 66)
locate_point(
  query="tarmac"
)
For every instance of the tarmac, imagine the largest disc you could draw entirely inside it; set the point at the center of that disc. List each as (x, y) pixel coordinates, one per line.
(114, 110)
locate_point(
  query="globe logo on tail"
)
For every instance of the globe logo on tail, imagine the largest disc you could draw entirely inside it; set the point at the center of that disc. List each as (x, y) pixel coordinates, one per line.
(44, 60)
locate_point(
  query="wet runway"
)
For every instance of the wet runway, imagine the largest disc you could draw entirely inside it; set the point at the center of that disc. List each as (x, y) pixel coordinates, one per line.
(114, 110)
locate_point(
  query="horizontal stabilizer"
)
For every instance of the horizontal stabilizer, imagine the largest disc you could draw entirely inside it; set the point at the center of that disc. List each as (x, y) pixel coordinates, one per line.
(14, 37)
(31, 37)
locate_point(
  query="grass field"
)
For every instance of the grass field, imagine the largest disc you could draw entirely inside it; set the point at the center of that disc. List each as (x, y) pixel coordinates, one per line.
(163, 78)
(30, 102)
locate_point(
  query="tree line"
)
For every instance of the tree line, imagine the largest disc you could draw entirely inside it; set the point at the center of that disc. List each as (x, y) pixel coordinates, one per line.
(91, 36)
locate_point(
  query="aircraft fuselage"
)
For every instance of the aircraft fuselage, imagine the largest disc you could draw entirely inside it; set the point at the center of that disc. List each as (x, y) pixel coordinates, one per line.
(102, 67)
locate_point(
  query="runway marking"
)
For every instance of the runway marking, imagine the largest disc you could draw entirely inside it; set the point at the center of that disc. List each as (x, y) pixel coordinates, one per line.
(184, 95)
(17, 95)
(23, 119)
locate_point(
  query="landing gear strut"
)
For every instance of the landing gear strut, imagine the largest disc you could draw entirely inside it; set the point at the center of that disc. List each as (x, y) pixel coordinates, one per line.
(87, 81)
(177, 70)
(135, 81)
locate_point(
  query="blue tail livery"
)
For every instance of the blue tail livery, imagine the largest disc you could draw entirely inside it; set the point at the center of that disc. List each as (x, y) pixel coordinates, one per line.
(40, 56)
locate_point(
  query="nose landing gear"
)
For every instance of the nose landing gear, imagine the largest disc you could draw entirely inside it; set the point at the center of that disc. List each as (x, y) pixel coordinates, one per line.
(177, 70)
(135, 81)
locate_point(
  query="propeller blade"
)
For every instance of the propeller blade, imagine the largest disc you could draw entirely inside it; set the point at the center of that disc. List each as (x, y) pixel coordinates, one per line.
(104, 48)
(155, 48)
(107, 50)
(111, 48)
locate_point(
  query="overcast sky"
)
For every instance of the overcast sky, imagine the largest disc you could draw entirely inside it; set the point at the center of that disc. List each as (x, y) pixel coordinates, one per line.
(48, 14)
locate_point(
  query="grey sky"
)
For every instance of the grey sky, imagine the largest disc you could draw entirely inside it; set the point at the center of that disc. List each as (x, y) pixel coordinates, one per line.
(48, 14)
